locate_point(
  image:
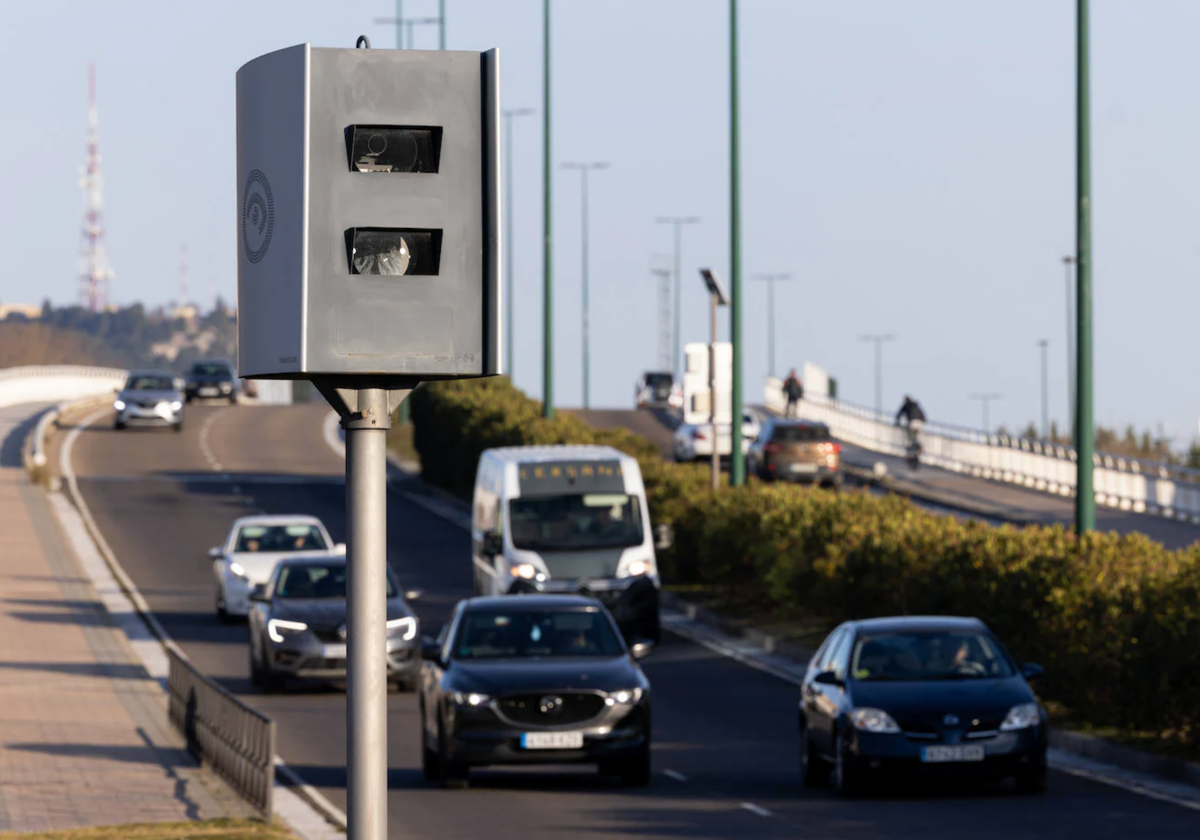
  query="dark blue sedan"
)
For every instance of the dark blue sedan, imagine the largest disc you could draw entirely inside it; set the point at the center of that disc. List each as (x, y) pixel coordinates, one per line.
(931, 695)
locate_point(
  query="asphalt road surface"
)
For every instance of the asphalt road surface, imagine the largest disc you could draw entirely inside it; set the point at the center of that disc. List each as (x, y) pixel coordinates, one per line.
(725, 752)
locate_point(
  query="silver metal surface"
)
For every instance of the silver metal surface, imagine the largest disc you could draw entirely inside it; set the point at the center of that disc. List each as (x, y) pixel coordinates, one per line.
(366, 616)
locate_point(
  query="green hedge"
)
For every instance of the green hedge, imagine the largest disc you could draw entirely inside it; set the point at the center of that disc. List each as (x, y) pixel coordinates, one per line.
(1115, 620)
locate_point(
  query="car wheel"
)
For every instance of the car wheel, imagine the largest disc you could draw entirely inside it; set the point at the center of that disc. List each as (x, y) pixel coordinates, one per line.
(635, 772)
(178, 427)
(119, 426)
(451, 774)
(814, 769)
(431, 767)
(256, 675)
(222, 612)
(233, 399)
(847, 777)
(1032, 781)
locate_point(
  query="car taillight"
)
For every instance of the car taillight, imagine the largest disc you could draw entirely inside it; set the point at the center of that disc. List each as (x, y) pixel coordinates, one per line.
(830, 448)
(773, 447)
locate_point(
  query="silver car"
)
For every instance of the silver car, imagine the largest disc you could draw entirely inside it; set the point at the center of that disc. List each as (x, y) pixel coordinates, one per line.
(298, 626)
(149, 398)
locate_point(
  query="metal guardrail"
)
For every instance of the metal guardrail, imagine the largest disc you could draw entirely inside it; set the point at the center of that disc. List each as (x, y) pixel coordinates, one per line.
(223, 732)
(1130, 484)
(53, 383)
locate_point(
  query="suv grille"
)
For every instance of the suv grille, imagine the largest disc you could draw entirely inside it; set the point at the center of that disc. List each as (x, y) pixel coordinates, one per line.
(575, 708)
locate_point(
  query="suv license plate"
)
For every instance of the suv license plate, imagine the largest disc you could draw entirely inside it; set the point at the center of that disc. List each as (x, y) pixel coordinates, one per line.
(939, 755)
(804, 468)
(552, 740)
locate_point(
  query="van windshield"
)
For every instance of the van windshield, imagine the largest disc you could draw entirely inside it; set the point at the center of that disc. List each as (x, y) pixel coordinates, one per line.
(573, 522)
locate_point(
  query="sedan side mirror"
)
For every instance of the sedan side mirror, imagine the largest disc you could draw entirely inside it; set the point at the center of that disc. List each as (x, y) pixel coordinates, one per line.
(413, 594)
(827, 678)
(493, 544)
(1031, 670)
(215, 553)
(431, 651)
(641, 649)
(259, 593)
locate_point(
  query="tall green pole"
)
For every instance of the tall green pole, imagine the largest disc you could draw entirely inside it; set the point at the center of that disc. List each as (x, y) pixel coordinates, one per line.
(587, 370)
(1085, 429)
(441, 24)
(737, 464)
(547, 284)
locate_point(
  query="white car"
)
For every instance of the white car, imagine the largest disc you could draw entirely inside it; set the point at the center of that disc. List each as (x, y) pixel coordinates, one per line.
(658, 390)
(254, 546)
(694, 441)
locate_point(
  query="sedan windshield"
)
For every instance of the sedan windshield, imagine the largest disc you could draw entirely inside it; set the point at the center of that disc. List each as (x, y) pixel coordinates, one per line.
(567, 523)
(202, 369)
(536, 633)
(658, 380)
(150, 383)
(932, 655)
(314, 580)
(253, 538)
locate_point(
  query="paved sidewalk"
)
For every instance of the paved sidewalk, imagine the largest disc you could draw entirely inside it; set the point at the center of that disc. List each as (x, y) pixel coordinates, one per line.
(84, 738)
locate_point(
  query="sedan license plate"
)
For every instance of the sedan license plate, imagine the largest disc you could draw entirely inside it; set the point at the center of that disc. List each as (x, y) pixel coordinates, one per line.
(552, 740)
(942, 755)
(208, 392)
(804, 468)
(333, 651)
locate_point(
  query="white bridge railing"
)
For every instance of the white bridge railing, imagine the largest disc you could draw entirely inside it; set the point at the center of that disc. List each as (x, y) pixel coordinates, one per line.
(55, 383)
(1124, 483)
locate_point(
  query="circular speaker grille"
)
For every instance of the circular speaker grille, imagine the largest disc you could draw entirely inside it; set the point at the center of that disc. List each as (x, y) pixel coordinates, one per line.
(258, 216)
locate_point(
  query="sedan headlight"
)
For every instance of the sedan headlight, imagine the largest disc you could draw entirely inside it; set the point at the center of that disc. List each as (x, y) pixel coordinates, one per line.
(118, 405)
(275, 625)
(176, 406)
(237, 570)
(407, 626)
(626, 696)
(874, 720)
(524, 570)
(1021, 717)
(472, 699)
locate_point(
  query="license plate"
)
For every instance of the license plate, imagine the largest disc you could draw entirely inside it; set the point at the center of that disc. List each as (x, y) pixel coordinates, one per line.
(804, 468)
(333, 651)
(552, 740)
(208, 392)
(941, 755)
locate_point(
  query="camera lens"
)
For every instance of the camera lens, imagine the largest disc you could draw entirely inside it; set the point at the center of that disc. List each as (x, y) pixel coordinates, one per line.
(393, 261)
(394, 253)
(394, 148)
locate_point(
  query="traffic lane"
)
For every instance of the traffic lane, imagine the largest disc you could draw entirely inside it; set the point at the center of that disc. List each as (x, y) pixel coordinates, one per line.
(137, 450)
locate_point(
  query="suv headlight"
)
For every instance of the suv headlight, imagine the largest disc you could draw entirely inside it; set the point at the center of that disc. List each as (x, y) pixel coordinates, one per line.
(275, 625)
(1021, 717)
(525, 570)
(472, 699)
(626, 696)
(406, 626)
(874, 720)
(638, 567)
(118, 405)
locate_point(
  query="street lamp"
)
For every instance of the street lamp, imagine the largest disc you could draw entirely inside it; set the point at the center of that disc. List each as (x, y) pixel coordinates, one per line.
(547, 251)
(770, 280)
(879, 340)
(1067, 263)
(737, 464)
(1044, 343)
(584, 169)
(1085, 429)
(717, 298)
(677, 222)
(986, 399)
(508, 234)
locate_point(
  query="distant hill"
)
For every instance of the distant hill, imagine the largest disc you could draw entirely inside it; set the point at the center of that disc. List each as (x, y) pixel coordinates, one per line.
(37, 343)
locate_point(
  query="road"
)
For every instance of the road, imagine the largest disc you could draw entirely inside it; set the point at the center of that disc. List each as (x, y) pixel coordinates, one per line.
(725, 752)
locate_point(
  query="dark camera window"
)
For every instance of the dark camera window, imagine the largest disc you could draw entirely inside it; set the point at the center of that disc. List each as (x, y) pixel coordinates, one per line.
(390, 148)
(394, 252)
(799, 434)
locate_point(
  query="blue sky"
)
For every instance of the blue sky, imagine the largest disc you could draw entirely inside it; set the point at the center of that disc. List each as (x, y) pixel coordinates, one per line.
(911, 164)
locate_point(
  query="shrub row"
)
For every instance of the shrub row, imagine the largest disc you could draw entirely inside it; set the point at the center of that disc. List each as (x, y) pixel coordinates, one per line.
(1115, 620)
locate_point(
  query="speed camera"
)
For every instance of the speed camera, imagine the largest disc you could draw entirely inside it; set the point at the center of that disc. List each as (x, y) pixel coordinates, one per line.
(368, 215)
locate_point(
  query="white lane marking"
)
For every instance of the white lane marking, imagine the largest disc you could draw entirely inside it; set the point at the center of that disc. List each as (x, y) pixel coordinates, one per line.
(308, 812)
(332, 438)
(1067, 764)
(676, 775)
(205, 449)
(756, 809)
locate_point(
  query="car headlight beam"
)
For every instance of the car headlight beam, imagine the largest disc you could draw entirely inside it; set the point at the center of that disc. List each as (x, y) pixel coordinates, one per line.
(638, 568)
(1023, 716)
(471, 699)
(277, 624)
(874, 720)
(408, 624)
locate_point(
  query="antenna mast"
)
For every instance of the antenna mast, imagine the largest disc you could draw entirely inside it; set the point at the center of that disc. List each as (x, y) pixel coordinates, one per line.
(94, 273)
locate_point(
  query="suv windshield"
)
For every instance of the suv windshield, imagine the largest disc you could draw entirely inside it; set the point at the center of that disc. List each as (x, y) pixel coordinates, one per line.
(658, 380)
(313, 580)
(535, 633)
(149, 383)
(211, 369)
(800, 433)
(931, 655)
(566, 523)
(254, 538)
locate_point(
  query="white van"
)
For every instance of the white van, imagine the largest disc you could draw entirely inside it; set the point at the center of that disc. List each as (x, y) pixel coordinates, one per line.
(567, 519)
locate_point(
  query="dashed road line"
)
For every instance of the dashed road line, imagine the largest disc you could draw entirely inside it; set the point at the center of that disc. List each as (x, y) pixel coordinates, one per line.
(756, 809)
(676, 775)
(205, 449)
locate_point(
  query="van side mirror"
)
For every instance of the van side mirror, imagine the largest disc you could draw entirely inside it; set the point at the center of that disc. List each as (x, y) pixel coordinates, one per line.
(259, 593)
(493, 544)
(641, 649)
(827, 678)
(215, 553)
(664, 536)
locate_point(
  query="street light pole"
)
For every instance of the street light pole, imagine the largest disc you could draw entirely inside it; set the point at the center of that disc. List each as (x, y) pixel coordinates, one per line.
(1067, 263)
(986, 399)
(737, 463)
(584, 168)
(879, 341)
(770, 280)
(716, 296)
(508, 235)
(1085, 430)
(441, 24)
(547, 255)
(1045, 343)
(677, 222)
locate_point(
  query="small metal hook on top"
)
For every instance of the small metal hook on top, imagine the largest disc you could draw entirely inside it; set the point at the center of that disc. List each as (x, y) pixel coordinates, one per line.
(363, 42)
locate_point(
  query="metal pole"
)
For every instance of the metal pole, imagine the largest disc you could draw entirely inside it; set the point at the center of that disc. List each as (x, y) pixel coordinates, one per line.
(737, 465)
(508, 259)
(409, 23)
(771, 326)
(399, 24)
(1067, 263)
(547, 256)
(1044, 344)
(366, 617)
(584, 269)
(712, 391)
(441, 24)
(1085, 430)
(879, 378)
(675, 369)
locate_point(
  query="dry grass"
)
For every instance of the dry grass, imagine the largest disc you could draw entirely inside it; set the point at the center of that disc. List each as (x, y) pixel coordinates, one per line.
(205, 830)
